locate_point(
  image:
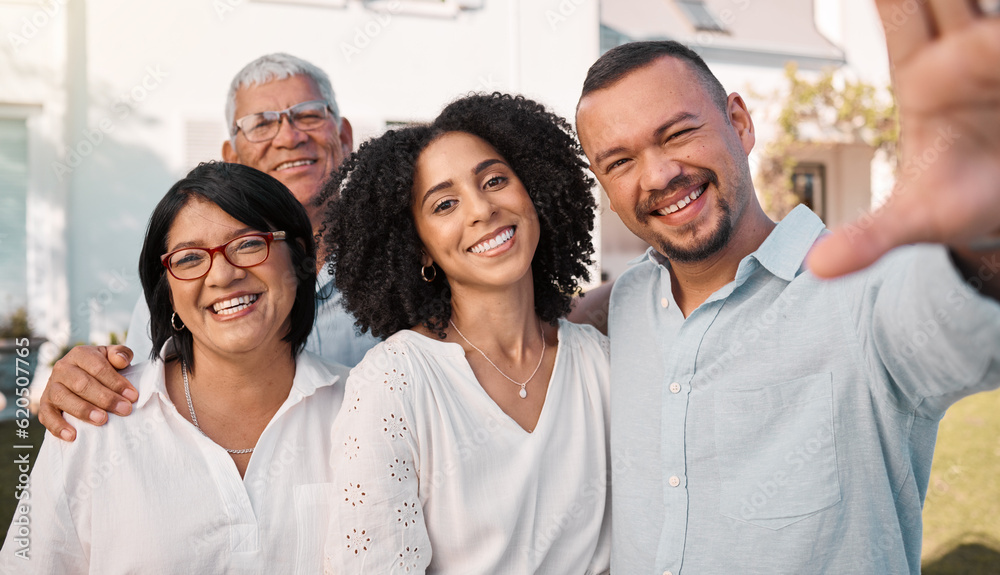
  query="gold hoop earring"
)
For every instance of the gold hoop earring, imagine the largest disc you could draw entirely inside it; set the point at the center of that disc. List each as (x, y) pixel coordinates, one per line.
(173, 323)
(423, 273)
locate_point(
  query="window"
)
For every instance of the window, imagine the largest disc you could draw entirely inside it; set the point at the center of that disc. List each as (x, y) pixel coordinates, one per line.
(700, 16)
(13, 214)
(809, 184)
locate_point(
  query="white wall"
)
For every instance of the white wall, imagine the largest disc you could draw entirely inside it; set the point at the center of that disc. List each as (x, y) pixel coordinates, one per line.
(117, 85)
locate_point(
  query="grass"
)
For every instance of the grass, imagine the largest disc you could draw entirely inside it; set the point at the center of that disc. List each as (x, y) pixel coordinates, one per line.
(962, 510)
(9, 472)
(961, 514)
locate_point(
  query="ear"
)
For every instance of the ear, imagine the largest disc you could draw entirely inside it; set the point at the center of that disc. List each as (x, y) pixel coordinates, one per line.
(346, 137)
(229, 153)
(739, 119)
(425, 260)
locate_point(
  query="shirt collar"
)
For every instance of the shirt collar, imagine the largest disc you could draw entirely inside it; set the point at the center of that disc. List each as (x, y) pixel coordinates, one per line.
(311, 374)
(782, 253)
(152, 380)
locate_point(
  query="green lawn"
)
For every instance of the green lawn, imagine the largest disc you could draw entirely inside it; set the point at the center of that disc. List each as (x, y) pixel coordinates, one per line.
(962, 510)
(961, 515)
(9, 468)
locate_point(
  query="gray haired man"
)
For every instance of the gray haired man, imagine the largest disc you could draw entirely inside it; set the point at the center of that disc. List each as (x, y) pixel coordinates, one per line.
(283, 120)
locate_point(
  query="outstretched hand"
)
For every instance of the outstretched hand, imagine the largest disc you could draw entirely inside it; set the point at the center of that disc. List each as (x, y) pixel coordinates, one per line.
(945, 56)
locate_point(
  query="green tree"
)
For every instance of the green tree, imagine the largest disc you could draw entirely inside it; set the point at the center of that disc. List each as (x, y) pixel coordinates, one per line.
(831, 111)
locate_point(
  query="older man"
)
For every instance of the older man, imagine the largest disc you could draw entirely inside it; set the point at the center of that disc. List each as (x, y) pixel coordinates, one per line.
(765, 420)
(283, 119)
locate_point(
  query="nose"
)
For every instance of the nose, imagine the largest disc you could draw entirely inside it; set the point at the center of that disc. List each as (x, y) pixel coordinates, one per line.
(481, 207)
(288, 135)
(657, 170)
(223, 273)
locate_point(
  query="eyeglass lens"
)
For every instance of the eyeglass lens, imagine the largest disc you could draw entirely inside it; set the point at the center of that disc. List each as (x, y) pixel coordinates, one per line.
(242, 252)
(265, 125)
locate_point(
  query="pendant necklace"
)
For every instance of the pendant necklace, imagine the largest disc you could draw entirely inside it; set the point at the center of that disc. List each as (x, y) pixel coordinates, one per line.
(523, 393)
(194, 418)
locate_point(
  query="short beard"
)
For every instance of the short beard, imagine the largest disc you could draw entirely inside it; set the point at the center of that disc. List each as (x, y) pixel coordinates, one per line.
(715, 242)
(719, 236)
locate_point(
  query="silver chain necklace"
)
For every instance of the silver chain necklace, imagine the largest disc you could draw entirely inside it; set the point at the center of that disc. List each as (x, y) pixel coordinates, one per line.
(194, 418)
(523, 393)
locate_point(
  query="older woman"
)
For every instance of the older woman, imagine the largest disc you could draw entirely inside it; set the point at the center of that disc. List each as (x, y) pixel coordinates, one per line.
(474, 440)
(222, 466)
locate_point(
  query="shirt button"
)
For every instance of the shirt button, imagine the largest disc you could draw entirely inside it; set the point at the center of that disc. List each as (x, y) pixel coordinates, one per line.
(674, 481)
(675, 387)
(664, 302)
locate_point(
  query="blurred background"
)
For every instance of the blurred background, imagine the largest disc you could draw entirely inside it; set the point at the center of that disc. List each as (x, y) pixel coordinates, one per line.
(105, 103)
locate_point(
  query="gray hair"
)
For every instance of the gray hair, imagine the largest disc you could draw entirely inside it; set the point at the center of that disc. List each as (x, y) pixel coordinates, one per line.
(277, 66)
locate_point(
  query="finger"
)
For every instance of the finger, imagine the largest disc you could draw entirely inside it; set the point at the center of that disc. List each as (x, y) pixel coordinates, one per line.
(99, 370)
(53, 420)
(63, 400)
(859, 244)
(907, 27)
(951, 15)
(120, 356)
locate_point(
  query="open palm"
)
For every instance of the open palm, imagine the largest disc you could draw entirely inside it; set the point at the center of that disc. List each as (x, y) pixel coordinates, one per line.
(946, 71)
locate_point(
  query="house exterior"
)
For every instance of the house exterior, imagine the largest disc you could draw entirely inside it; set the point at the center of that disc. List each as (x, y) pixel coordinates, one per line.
(747, 45)
(104, 104)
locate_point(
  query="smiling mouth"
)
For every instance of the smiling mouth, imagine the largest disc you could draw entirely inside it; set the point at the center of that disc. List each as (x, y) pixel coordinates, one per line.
(497, 241)
(683, 203)
(237, 304)
(294, 164)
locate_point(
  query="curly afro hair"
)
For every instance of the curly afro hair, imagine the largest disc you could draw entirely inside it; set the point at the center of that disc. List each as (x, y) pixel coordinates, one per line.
(373, 244)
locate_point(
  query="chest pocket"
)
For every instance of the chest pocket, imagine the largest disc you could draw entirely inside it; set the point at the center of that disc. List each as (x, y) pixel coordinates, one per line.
(777, 451)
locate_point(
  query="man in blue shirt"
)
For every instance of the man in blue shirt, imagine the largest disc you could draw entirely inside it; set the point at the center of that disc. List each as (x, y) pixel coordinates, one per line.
(765, 420)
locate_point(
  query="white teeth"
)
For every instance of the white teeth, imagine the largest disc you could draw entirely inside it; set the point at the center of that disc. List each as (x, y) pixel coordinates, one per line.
(488, 245)
(295, 164)
(234, 305)
(683, 203)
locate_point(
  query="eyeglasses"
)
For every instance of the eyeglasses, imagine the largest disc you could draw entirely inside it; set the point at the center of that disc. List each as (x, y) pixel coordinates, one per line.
(242, 252)
(264, 126)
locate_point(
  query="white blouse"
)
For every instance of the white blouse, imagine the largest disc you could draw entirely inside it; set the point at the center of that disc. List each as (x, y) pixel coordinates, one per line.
(150, 494)
(433, 476)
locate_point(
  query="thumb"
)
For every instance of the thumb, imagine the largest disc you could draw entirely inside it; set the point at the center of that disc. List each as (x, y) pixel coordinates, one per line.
(120, 356)
(857, 245)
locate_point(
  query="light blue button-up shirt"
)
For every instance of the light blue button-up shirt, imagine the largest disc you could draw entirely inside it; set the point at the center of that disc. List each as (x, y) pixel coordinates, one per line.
(788, 424)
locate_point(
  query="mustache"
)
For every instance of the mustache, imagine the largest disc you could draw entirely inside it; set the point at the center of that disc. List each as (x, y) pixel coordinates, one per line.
(681, 182)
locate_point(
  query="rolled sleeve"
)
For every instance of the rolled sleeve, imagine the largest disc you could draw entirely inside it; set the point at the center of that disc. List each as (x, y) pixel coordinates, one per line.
(938, 338)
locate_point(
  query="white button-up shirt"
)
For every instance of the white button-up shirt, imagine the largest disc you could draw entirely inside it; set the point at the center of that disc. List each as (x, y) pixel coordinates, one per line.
(149, 493)
(433, 475)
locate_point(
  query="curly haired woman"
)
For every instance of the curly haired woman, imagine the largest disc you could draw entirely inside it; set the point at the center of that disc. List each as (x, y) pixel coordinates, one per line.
(474, 438)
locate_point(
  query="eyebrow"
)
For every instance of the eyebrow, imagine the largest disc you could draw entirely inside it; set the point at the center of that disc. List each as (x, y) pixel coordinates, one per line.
(680, 117)
(480, 168)
(198, 244)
